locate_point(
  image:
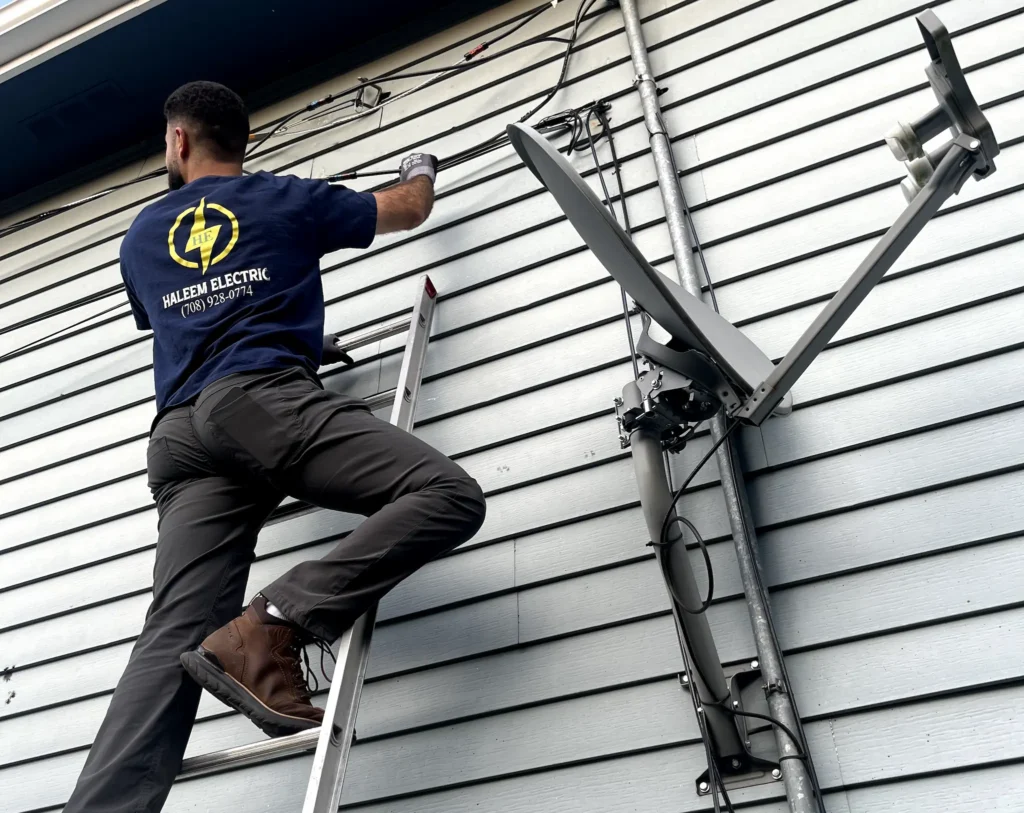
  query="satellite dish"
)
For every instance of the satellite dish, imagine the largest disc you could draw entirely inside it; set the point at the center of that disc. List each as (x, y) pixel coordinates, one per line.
(685, 317)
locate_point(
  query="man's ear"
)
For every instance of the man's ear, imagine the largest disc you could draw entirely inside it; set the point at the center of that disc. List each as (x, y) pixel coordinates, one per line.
(182, 143)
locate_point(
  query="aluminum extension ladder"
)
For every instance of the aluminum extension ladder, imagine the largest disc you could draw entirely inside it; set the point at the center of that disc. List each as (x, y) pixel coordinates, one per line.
(333, 740)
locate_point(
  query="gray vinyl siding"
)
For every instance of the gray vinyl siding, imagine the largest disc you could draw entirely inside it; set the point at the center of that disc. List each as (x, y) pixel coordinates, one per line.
(536, 668)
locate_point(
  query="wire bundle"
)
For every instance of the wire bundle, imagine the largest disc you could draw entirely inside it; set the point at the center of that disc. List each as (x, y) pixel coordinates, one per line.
(469, 60)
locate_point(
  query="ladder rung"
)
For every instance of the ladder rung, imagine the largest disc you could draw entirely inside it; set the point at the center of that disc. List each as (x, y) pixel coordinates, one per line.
(251, 754)
(380, 400)
(351, 341)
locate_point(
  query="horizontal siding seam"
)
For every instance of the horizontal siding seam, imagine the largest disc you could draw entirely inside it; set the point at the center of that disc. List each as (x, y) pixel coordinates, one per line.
(890, 276)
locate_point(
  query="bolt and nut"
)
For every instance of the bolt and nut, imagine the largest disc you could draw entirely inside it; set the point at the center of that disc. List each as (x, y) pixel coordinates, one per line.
(776, 774)
(735, 764)
(754, 664)
(704, 787)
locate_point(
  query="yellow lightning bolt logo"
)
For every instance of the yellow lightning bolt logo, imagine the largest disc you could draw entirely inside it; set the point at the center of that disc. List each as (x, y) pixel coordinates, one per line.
(202, 238)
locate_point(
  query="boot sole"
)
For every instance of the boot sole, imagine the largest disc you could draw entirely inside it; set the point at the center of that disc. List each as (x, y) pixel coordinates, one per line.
(232, 693)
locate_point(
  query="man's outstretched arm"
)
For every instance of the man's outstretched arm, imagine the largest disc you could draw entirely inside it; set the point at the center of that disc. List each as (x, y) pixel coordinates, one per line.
(407, 204)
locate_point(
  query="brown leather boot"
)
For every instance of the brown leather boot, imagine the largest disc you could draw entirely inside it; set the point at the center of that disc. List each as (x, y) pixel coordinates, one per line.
(254, 664)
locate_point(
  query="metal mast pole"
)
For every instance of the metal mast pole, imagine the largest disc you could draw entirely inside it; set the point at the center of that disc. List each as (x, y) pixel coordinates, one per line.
(795, 775)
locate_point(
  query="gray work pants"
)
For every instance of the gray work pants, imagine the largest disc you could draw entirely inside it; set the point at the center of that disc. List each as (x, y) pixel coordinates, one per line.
(217, 469)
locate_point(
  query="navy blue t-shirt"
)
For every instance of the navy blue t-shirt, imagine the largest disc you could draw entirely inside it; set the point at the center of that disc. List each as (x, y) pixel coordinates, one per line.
(226, 272)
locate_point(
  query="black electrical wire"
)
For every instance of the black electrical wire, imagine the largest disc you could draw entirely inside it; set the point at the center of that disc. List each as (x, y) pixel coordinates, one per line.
(42, 339)
(705, 737)
(671, 517)
(551, 123)
(698, 713)
(707, 566)
(584, 7)
(715, 781)
(501, 139)
(611, 208)
(799, 741)
(458, 67)
(384, 77)
(577, 143)
(41, 216)
(768, 719)
(597, 110)
(693, 473)
(486, 146)
(713, 771)
(721, 786)
(667, 523)
(521, 24)
(468, 61)
(280, 126)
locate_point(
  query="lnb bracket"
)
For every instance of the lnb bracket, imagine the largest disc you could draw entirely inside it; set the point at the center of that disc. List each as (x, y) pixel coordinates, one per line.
(933, 178)
(958, 111)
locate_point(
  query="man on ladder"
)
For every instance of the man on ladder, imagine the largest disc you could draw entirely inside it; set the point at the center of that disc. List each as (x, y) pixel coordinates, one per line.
(225, 271)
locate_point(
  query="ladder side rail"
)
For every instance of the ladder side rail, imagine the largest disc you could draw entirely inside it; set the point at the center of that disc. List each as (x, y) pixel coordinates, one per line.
(323, 794)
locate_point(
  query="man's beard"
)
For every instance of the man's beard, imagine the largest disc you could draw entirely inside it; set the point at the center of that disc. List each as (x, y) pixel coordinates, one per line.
(175, 180)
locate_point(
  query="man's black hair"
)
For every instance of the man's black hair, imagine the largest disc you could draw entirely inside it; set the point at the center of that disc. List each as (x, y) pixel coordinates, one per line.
(217, 115)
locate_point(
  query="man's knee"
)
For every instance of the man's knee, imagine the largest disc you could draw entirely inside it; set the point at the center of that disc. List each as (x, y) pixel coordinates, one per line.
(467, 503)
(473, 496)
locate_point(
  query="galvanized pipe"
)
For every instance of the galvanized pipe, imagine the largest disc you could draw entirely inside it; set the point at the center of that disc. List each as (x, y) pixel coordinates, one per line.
(795, 775)
(661, 148)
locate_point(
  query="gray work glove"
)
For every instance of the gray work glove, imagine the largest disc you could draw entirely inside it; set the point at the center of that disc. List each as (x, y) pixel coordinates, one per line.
(419, 163)
(332, 354)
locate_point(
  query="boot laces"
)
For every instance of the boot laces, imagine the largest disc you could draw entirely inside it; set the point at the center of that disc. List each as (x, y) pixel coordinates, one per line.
(307, 678)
